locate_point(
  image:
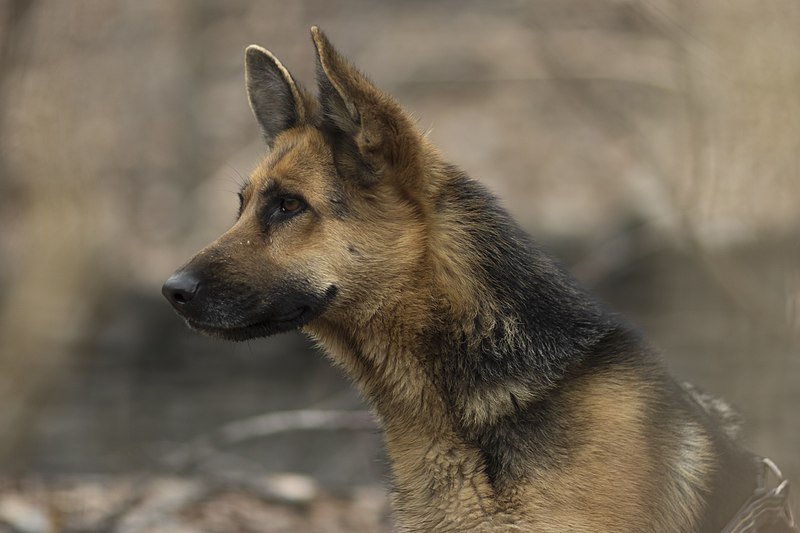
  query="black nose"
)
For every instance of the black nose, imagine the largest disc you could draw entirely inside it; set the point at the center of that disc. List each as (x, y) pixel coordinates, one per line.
(180, 288)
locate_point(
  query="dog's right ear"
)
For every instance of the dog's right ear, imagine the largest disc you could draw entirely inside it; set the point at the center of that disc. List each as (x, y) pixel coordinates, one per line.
(276, 100)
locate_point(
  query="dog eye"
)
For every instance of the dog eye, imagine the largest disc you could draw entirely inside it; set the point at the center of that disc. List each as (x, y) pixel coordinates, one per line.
(291, 205)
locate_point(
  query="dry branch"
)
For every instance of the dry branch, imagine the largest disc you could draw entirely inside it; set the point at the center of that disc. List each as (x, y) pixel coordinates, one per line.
(207, 446)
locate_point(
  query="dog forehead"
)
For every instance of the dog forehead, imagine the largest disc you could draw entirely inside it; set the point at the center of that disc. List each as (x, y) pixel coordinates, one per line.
(300, 162)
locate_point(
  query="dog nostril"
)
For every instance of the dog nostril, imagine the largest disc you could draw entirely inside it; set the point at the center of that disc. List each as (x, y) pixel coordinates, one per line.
(181, 298)
(181, 288)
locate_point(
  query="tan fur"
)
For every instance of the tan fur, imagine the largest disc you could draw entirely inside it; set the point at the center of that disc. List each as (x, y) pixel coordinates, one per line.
(609, 421)
(611, 480)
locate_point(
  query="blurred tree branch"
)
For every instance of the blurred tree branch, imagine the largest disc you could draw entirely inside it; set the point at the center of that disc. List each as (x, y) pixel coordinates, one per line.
(266, 425)
(46, 297)
(14, 23)
(748, 297)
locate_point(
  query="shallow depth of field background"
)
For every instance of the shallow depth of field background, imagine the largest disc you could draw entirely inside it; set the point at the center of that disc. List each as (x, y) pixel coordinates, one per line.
(653, 145)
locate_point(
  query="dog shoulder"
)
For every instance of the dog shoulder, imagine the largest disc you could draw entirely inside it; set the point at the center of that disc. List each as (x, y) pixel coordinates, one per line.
(622, 453)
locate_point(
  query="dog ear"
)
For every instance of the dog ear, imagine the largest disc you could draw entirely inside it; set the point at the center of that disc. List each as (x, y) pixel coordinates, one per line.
(372, 135)
(276, 100)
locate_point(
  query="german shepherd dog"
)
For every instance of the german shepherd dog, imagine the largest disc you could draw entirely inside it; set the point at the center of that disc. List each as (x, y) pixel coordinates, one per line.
(510, 399)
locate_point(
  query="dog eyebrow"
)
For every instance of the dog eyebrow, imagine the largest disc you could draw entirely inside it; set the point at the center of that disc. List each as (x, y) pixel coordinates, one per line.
(276, 158)
(272, 189)
(281, 153)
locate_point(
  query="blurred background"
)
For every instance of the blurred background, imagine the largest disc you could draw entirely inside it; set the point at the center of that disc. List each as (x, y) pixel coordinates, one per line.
(654, 145)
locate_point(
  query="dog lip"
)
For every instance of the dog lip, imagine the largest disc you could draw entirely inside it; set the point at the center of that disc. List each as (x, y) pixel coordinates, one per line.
(250, 331)
(294, 318)
(290, 315)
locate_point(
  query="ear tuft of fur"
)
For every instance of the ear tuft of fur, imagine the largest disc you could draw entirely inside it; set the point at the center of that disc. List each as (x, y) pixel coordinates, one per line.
(276, 100)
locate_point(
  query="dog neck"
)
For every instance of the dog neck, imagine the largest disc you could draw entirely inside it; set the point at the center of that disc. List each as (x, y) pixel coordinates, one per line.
(454, 355)
(437, 473)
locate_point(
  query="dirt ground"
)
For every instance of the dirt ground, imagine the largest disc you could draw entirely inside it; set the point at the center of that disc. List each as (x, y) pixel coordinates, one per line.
(279, 504)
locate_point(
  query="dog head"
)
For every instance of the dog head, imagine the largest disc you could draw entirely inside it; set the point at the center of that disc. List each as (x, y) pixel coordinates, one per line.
(329, 221)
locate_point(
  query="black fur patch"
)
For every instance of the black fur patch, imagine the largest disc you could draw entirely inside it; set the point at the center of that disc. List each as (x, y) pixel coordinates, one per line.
(556, 320)
(556, 328)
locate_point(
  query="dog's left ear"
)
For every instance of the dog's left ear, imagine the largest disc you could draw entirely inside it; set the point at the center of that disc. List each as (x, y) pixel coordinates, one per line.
(276, 100)
(373, 134)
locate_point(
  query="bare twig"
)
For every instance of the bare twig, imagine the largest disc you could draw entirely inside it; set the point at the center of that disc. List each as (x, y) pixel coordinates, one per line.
(266, 425)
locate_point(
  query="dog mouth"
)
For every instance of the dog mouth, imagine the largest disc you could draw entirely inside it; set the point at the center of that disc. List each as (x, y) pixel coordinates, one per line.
(289, 320)
(263, 328)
